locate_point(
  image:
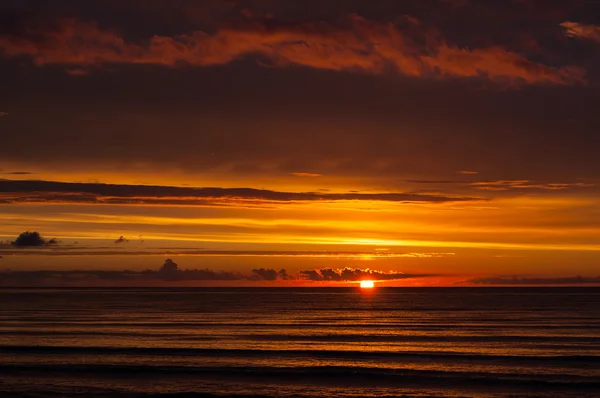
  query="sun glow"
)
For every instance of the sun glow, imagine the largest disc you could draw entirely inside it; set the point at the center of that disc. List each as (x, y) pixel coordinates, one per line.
(367, 284)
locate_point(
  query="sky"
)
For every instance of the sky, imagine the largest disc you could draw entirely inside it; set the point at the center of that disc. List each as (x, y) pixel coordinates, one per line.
(417, 143)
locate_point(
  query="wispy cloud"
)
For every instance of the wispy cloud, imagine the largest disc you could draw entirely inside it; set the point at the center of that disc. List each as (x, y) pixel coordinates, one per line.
(18, 173)
(352, 44)
(82, 250)
(21, 191)
(506, 185)
(306, 175)
(582, 31)
(515, 280)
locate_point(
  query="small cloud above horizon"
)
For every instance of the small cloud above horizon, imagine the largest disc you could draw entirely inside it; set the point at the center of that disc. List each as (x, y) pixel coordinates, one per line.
(310, 175)
(121, 239)
(18, 173)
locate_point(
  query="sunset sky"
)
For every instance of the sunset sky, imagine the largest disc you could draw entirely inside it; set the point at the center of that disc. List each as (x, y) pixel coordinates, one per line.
(435, 142)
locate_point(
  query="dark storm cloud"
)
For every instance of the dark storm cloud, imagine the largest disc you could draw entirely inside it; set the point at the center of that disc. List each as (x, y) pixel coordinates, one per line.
(506, 280)
(354, 43)
(354, 274)
(22, 191)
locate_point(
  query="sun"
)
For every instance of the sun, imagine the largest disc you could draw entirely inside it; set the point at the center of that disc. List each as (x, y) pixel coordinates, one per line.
(367, 284)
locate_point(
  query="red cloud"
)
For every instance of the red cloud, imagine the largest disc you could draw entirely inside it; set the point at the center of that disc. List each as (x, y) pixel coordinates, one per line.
(583, 31)
(361, 44)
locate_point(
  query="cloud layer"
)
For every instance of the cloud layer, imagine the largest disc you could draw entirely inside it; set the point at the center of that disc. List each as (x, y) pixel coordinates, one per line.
(170, 272)
(505, 280)
(353, 43)
(507, 185)
(354, 274)
(22, 191)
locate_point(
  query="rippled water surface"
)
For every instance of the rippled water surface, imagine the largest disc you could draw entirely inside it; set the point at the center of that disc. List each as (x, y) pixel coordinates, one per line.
(462, 342)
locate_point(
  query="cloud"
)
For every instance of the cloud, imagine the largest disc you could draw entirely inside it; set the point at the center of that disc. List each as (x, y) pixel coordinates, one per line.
(110, 278)
(28, 191)
(79, 250)
(121, 239)
(268, 274)
(171, 272)
(505, 280)
(18, 173)
(2, 114)
(506, 185)
(582, 31)
(306, 175)
(351, 44)
(467, 172)
(354, 274)
(311, 275)
(33, 239)
(169, 266)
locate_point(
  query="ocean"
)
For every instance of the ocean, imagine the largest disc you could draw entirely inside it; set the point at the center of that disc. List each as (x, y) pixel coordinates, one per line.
(300, 342)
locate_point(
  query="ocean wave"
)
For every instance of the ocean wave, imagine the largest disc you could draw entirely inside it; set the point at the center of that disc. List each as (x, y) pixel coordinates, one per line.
(549, 341)
(583, 360)
(348, 375)
(472, 325)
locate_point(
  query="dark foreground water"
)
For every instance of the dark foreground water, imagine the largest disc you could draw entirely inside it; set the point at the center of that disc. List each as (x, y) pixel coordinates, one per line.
(300, 342)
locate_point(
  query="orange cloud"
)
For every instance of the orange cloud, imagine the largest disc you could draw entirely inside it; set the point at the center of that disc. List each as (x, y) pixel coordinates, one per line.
(583, 31)
(503, 185)
(360, 45)
(306, 175)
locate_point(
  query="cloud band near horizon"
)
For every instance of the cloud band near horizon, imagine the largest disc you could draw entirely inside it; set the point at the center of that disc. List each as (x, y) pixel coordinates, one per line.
(32, 191)
(170, 272)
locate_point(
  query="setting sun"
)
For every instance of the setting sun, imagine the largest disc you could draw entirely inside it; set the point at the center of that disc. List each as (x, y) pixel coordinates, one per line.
(367, 284)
